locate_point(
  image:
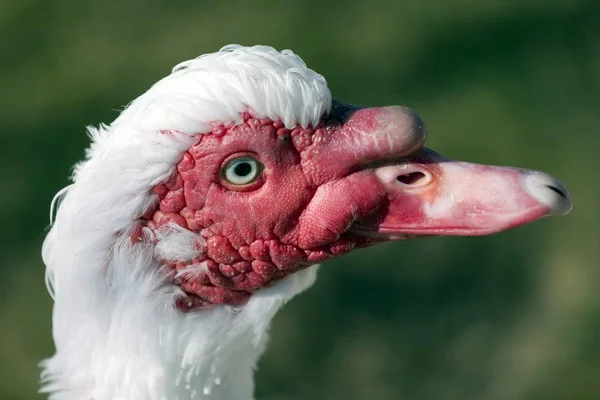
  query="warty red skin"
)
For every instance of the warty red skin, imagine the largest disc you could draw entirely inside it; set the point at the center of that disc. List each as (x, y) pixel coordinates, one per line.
(324, 191)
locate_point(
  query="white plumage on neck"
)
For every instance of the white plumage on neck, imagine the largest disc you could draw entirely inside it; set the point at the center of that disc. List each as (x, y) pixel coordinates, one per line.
(137, 346)
(116, 332)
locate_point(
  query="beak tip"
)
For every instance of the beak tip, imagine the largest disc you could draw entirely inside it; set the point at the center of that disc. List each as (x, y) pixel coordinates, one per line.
(549, 191)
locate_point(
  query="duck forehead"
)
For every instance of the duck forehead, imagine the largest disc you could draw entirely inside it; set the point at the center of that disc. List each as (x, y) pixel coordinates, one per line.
(221, 86)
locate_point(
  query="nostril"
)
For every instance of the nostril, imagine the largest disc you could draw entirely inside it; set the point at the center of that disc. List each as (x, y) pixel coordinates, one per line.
(557, 191)
(411, 178)
(404, 176)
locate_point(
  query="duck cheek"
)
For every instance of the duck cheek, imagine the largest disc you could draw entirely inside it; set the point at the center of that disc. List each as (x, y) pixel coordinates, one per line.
(335, 207)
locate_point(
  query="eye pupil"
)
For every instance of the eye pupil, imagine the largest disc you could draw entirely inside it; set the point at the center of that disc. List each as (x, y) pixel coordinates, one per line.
(242, 169)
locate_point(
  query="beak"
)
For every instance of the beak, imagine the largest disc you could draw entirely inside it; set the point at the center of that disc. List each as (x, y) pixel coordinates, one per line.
(373, 160)
(428, 194)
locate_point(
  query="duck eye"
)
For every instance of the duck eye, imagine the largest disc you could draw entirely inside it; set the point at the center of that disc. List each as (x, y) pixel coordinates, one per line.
(242, 171)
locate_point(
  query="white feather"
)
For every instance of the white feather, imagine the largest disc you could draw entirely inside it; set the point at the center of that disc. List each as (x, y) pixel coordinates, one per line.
(176, 243)
(116, 332)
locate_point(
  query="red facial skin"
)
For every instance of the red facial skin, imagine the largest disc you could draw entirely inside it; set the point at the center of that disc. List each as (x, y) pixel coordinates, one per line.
(322, 192)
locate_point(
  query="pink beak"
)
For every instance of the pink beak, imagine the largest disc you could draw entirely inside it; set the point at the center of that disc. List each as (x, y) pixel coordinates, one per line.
(427, 194)
(431, 195)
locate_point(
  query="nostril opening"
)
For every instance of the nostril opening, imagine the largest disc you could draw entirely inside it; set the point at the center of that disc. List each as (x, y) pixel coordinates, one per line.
(557, 191)
(411, 178)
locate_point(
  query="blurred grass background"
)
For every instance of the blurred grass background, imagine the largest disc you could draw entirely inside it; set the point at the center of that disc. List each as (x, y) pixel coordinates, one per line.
(511, 316)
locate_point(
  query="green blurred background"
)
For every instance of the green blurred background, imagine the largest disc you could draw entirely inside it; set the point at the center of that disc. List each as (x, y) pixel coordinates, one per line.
(511, 316)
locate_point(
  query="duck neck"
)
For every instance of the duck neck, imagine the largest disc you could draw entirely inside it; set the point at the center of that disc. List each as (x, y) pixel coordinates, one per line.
(133, 346)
